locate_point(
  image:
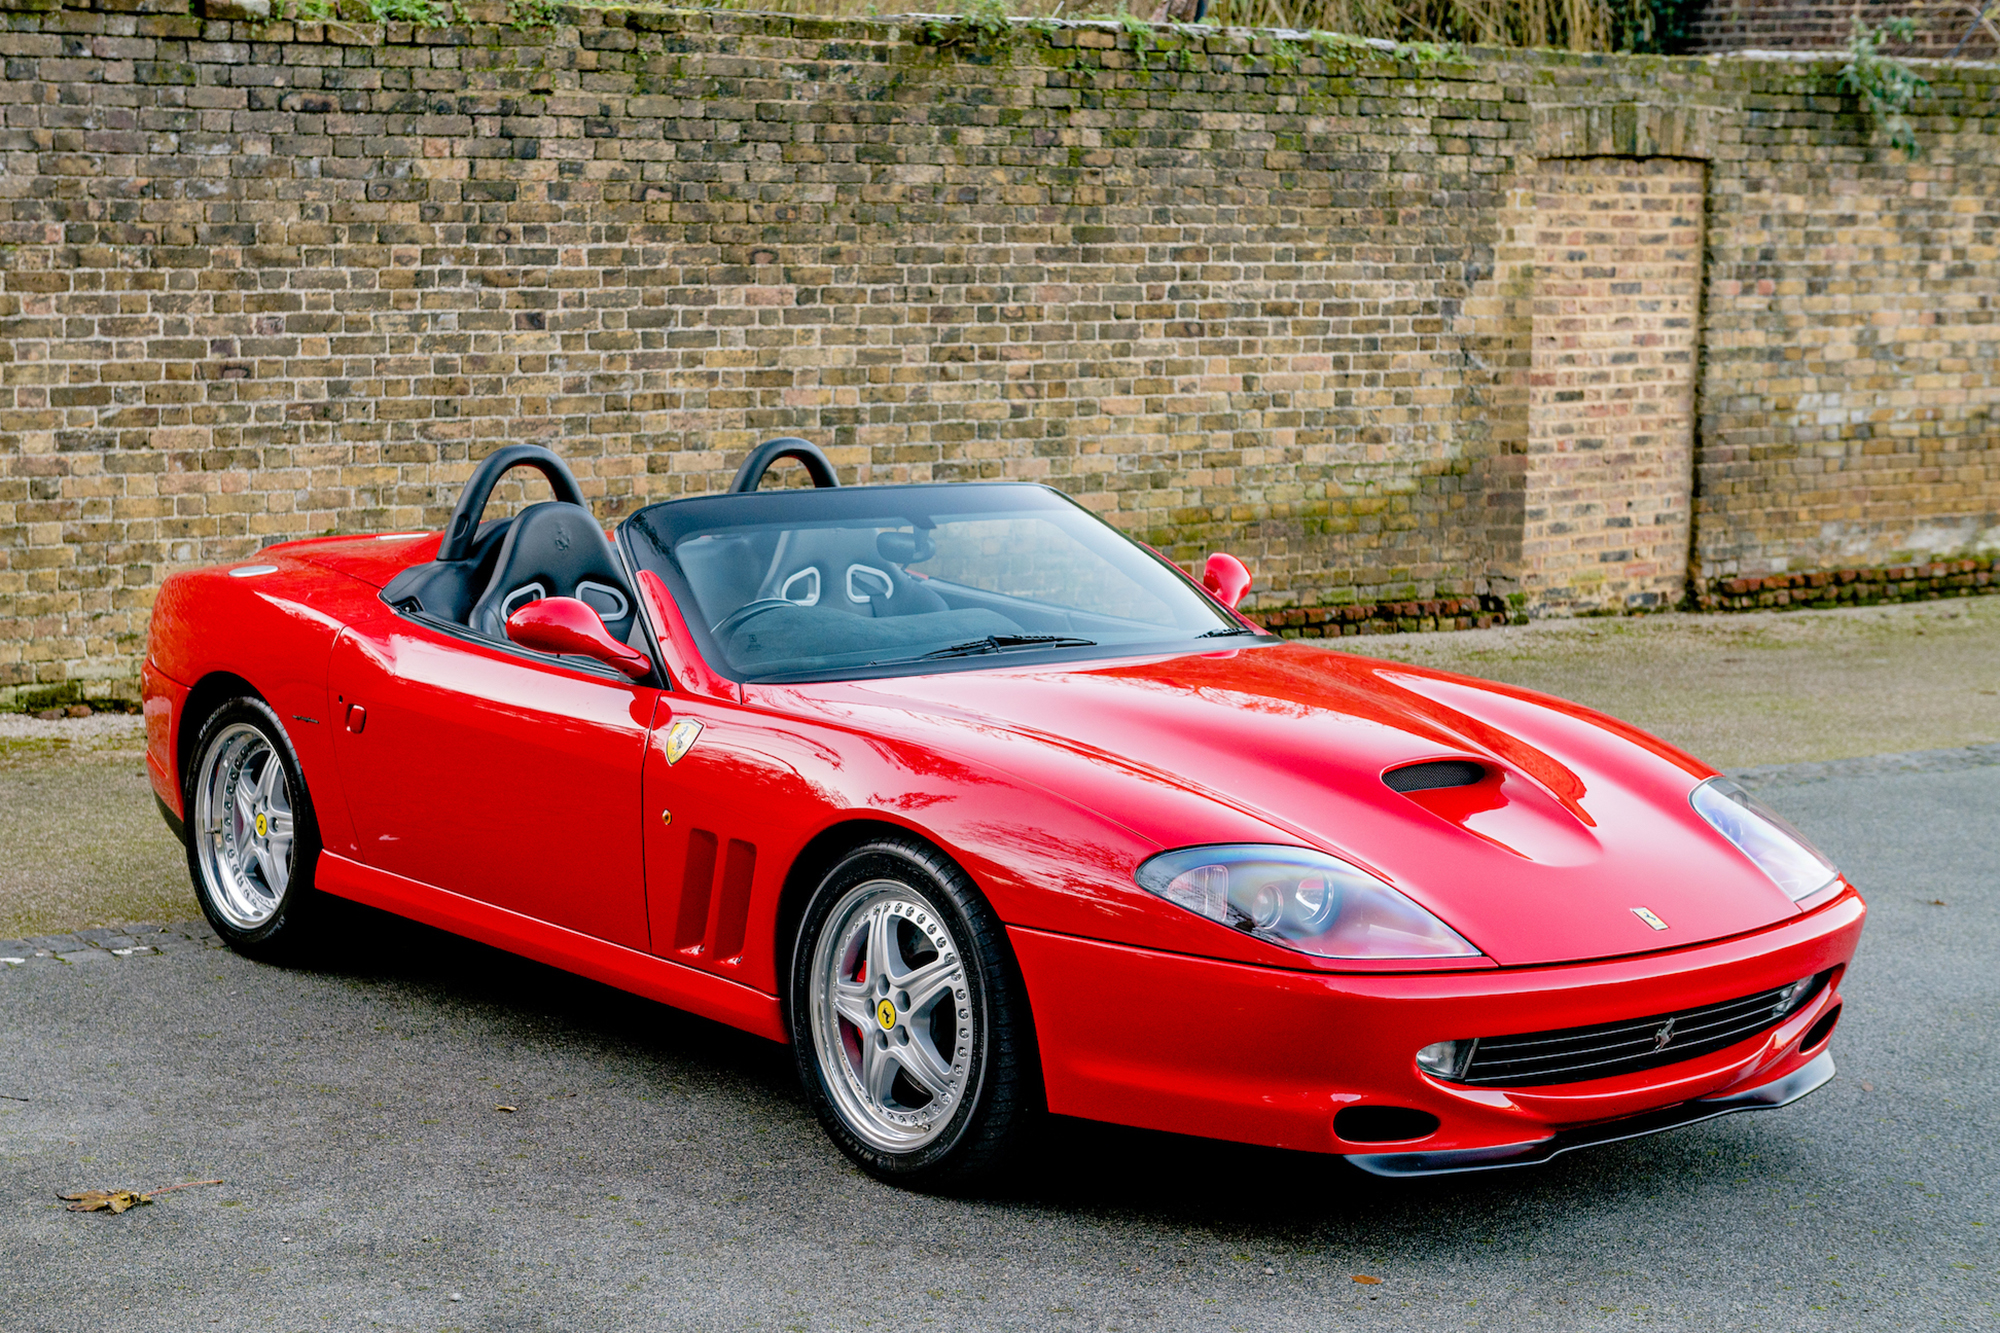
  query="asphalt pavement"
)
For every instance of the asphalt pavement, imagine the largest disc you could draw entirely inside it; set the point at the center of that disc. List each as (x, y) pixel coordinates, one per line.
(658, 1171)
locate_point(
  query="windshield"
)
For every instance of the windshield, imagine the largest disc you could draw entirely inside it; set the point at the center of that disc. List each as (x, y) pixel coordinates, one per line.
(882, 580)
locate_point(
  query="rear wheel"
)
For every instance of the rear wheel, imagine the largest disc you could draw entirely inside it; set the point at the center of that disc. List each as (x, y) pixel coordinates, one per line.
(908, 1018)
(252, 840)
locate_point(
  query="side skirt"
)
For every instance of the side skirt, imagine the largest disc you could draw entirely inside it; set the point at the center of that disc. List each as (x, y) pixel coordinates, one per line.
(1809, 1077)
(627, 969)
(173, 820)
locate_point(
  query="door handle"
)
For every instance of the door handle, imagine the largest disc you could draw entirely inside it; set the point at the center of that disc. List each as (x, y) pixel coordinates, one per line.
(357, 718)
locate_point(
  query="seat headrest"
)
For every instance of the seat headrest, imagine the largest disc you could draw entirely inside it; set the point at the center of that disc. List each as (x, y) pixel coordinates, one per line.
(554, 549)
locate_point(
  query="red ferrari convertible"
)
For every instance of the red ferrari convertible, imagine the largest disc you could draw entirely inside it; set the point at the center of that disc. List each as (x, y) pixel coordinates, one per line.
(990, 811)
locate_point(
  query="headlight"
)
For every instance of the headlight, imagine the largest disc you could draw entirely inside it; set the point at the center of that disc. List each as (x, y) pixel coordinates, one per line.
(1762, 834)
(1301, 899)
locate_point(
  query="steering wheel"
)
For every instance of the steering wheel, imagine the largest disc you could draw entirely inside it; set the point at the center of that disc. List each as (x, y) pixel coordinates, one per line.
(747, 612)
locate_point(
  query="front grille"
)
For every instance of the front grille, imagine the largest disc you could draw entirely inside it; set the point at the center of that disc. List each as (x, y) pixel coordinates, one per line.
(1571, 1055)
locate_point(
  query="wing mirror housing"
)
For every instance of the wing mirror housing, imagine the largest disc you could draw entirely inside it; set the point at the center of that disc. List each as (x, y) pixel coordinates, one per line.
(1226, 577)
(566, 626)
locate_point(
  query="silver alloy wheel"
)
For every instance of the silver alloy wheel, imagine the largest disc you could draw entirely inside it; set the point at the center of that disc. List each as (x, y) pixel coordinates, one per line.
(243, 825)
(891, 1016)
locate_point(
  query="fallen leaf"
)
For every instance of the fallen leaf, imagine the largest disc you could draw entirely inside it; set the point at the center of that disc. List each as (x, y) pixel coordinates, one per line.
(1367, 1281)
(1936, 902)
(117, 1201)
(508, 1109)
(1868, 1087)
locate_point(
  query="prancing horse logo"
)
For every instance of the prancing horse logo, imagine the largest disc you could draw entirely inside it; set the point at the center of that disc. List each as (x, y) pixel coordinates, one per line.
(1645, 914)
(1663, 1036)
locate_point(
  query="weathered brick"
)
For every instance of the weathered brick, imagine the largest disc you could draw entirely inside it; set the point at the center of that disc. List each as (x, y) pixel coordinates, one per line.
(261, 281)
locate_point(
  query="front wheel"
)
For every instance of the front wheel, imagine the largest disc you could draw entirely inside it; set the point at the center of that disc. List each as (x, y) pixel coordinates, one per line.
(252, 841)
(909, 1020)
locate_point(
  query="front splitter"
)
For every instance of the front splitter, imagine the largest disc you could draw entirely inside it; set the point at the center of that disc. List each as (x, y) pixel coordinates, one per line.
(1780, 1092)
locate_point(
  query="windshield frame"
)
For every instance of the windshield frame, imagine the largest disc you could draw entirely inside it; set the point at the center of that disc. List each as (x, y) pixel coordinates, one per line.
(663, 524)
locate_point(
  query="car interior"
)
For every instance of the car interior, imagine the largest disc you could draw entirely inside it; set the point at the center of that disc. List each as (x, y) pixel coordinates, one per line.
(789, 595)
(486, 571)
(771, 597)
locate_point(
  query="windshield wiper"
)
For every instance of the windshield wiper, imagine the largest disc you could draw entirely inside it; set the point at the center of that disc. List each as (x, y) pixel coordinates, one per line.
(994, 643)
(1225, 632)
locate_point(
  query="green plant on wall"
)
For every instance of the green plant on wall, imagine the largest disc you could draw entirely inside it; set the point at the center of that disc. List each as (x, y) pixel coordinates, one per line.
(980, 24)
(1886, 86)
(423, 13)
(525, 14)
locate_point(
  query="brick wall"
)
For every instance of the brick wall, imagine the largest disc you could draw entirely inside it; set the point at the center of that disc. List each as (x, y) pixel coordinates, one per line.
(1617, 278)
(1800, 25)
(259, 282)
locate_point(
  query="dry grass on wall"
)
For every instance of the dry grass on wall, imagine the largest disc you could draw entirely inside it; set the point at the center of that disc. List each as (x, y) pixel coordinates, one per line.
(1573, 25)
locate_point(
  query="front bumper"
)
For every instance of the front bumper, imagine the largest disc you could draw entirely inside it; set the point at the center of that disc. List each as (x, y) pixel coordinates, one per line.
(1808, 1078)
(1270, 1056)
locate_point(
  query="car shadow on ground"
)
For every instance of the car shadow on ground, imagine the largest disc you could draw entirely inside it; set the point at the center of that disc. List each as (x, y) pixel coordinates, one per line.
(1077, 1169)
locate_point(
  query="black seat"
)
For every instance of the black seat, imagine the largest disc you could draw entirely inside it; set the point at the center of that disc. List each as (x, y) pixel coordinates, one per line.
(554, 549)
(843, 569)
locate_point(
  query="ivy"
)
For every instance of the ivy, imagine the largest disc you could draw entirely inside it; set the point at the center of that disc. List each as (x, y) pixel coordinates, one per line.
(981, 25)
(523, 15)
(1886, 86)
(422, 13)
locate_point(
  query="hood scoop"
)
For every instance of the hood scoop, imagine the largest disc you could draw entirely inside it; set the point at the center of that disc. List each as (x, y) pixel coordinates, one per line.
(1434, 775)
(1502, 808)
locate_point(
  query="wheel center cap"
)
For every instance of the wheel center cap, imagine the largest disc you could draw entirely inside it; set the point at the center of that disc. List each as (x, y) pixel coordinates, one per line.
(263, 825)
(885, 1014)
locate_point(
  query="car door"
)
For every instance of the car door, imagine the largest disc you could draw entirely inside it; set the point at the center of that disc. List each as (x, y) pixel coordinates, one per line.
(503, 775)
(727, 806)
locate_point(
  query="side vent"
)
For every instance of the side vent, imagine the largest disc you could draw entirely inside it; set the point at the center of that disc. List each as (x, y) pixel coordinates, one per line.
(1437, 773)
(697, 885)
(732, 905)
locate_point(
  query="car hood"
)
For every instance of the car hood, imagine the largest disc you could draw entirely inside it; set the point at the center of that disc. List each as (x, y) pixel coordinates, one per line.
(1580, 821)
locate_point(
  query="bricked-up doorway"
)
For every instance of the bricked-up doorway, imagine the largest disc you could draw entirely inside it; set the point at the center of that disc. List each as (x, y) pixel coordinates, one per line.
(1617, 295)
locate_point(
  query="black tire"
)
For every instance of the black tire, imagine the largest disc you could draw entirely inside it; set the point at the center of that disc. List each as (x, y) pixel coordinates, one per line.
(285, 932)
(998, 1100)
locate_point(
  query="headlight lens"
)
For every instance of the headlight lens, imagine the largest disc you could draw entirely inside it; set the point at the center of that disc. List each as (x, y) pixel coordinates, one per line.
(1762, 834)
(1301, 899)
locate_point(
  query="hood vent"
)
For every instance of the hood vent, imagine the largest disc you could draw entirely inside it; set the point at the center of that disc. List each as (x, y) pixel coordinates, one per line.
(1437, 773)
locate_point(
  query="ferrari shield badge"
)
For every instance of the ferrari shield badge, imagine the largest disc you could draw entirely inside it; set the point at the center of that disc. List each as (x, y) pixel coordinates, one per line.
(1645, 914)
(681, 738)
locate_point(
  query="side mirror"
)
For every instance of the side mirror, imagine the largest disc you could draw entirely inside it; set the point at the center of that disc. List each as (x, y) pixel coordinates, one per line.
(1227, 578)
(565, 625)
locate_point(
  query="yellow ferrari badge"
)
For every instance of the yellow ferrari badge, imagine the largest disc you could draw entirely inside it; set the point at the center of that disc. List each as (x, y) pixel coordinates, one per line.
(885, 1014)
(681, 738)
(263, 827)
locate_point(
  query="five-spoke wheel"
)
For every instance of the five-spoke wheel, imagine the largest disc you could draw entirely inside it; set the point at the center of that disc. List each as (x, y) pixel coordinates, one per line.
(908, 1020)
(892, 1015)
(251, 838)
(243, 818)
